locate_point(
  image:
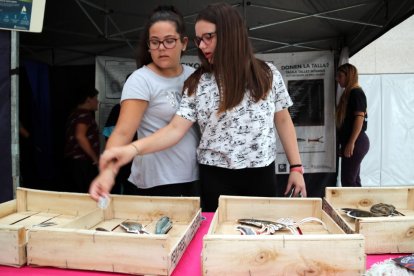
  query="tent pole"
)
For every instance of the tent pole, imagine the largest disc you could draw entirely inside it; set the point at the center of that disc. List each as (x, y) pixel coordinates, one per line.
(14, 98)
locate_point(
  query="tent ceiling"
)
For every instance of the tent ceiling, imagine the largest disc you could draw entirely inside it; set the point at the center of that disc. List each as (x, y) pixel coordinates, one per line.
(75, 31)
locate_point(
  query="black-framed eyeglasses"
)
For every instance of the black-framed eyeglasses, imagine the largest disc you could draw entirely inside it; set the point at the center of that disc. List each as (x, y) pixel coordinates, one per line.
(169, 43)
(206, 38)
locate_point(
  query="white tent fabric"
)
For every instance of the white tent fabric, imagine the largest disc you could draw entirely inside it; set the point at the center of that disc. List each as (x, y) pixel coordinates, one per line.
(390, 159)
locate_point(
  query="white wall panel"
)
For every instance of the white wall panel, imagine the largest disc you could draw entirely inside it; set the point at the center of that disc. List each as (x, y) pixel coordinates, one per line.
(390, 160)
(371, 165)
(398, 129)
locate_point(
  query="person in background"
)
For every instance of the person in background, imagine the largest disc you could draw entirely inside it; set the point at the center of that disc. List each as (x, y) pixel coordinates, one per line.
(238, 100)
(150, 98)
(125, 171)
(351, 122)
(82, 144)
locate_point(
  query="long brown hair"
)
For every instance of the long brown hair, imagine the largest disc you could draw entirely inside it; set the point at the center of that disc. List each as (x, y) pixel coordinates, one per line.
(235, 67)
(351, 82)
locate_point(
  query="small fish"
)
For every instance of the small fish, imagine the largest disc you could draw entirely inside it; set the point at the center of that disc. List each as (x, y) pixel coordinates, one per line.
(163, 225)
(133, 227)
(101, 229)
(245, 230)
(385, 210)
(357, 213)
(255, 222)
(45, 224)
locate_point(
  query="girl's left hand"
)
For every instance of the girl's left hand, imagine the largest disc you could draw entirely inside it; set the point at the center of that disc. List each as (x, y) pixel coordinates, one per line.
(297, 181)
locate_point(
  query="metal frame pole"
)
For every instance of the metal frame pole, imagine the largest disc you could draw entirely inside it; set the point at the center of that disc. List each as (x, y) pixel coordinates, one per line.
(14, 98)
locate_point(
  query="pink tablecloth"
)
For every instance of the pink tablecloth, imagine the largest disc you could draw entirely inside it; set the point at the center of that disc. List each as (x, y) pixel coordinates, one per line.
(372, 259)
(190, 263)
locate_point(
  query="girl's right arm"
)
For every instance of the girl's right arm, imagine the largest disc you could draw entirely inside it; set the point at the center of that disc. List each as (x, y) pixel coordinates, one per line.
(126, 126)
(129, 120)
(114, 158)
(162, 139)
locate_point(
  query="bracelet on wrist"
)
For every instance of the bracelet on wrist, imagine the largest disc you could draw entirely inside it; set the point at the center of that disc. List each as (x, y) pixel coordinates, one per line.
(296, 166)
(297, 169)
(136, 148)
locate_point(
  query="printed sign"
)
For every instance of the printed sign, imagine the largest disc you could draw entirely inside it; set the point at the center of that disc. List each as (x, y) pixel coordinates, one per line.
(22, 15)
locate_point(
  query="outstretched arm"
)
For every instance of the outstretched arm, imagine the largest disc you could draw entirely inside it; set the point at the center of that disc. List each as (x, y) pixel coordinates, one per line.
(287, 134)
(129, 119)
(115, 157)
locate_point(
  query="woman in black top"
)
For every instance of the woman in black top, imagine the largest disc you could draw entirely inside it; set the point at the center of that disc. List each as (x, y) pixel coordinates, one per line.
(351, 122)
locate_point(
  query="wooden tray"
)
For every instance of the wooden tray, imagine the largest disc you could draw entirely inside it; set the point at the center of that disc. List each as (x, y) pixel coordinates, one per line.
(31, 208)
(318, 251)
(382, 234)
(78, 245)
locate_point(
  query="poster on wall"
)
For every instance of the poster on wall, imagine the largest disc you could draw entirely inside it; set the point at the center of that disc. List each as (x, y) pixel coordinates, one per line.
(309, 77)
(110, 76)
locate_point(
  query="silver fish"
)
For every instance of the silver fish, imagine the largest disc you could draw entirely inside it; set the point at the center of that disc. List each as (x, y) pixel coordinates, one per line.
(163, 225)
(45, 224)
(245, 230)
(133, 227)
(101, 229)
(357, 213)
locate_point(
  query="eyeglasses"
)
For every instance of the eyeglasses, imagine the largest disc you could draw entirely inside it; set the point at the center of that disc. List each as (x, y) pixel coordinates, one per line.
(168, 43)
(206, 38)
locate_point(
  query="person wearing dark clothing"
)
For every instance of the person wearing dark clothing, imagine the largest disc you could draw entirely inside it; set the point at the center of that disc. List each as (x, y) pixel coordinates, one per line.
(82, 144)
(123, 174)
(351, 121)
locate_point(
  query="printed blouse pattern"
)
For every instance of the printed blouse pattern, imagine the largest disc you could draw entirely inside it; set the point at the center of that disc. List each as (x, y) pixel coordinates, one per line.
(243, 137)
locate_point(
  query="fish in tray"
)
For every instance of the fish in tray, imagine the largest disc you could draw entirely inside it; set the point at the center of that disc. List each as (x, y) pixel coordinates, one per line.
(133, 227)
(101, 229)
(385, 210)
(163, 225)
(45, 224)
(376, 210)
(268, 227)
(358, 213)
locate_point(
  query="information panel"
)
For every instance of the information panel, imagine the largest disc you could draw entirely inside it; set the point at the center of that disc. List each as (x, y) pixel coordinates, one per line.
(22, 15)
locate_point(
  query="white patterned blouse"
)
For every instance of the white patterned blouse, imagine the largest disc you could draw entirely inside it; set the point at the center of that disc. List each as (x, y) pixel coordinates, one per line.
(243, 137)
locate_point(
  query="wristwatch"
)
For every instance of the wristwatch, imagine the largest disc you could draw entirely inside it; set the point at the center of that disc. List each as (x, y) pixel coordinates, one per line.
(297, 168)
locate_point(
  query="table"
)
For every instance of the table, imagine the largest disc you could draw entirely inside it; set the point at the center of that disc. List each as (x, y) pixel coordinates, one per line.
(190, 263)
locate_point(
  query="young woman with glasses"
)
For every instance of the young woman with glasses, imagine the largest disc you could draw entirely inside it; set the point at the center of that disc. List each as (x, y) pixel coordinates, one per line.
(238, 101)
(150, 98)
